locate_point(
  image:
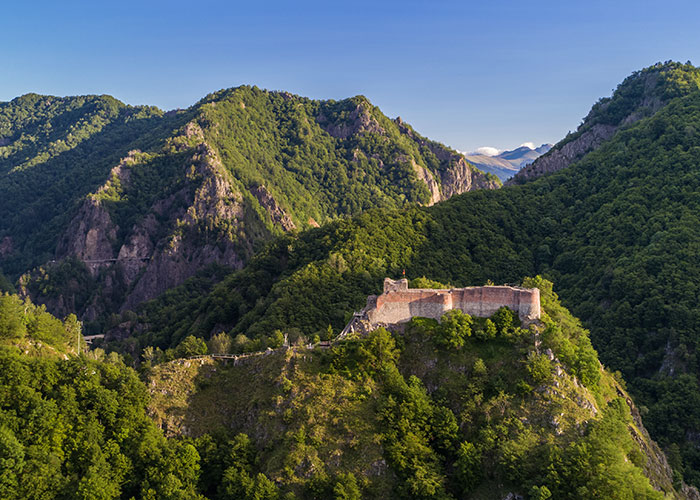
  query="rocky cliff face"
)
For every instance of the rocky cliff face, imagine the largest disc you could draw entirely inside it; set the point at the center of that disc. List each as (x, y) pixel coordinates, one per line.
(181, 233)
(201, 236)
(565, 155)
(456, 175)
(360, 120)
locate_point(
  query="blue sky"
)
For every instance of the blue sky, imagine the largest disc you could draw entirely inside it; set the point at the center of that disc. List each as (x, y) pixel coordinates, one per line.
(470, 74)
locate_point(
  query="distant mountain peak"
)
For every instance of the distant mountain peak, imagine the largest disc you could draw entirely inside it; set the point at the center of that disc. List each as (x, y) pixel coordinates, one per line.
(505, 164)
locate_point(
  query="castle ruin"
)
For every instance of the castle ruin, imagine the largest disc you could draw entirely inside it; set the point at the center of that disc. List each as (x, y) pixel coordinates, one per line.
(398, 304)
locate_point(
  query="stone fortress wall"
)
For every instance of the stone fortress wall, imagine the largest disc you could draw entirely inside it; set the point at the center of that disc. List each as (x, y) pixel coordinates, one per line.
(398, 304)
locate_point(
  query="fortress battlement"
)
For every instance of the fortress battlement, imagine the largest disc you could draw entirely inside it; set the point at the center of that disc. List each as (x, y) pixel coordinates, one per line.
(398, 304)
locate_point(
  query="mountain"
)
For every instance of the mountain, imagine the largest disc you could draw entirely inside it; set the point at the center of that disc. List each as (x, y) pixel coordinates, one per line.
(617, 232)
(467, 407)
(116, 204)
(507, 163)
(640, 95)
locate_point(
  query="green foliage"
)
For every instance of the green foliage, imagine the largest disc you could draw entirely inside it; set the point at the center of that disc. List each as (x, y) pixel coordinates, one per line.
(469, 469)
(455, 327)
(5, 285)
(12, 322)
(540, 368)
(618, 232)
(640, 93)
(54, 151)
(32, 328)
(220, 344)
(444, 422)
(424, 282)
(346, 488)
(619, 229)
(539, 493)
(80, 430)
(191, 346)
(378, 351)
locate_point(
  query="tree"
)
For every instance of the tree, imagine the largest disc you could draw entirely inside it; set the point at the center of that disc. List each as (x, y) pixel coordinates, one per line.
(468, 466)
(455, 327)
(191, 346)
(12, 317)
(539, 367)
(220, 343)
(346, 487)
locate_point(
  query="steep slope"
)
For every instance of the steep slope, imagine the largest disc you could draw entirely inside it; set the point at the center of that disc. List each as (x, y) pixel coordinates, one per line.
(440, 411)
(165, 195)
(53, 152)
(641, 95)
(619, 232)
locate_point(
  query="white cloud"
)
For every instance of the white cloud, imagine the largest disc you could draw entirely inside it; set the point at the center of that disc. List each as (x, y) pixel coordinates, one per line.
(530, 145)
(487, 151)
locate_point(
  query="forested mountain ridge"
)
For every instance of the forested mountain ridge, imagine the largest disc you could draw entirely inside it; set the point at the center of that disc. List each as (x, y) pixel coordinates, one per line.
(640, 95)
(131, 201)
(618, 231)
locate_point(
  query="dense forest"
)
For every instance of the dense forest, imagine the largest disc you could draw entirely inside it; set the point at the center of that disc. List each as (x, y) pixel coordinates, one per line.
(617, 232)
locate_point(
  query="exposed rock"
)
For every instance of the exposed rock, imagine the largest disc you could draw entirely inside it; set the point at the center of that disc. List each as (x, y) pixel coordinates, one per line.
(215, 206)
(457, 175)
(182, 233)
(6, 246)
(359, 121)
(460, 177)
(594, 134)
(89, 236)
(559, 158)
(193, 130)
(427, 177)
(91, 233)
(672, 362)
(656, 467)
(138, 248)
(278, 216)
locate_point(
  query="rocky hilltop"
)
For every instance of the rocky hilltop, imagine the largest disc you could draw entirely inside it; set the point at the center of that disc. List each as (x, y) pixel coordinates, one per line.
(639, 96)
(203, 186)
(440, 410)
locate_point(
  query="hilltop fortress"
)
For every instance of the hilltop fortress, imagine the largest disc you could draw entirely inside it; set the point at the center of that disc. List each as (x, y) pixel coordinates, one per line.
(398, 304)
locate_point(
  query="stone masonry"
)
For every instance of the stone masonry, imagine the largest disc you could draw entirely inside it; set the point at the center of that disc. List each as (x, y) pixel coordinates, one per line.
(398, 304)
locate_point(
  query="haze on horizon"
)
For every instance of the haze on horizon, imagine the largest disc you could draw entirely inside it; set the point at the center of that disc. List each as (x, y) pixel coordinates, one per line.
(463, 73)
